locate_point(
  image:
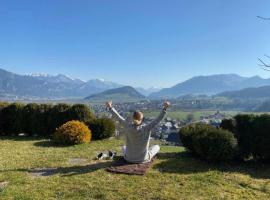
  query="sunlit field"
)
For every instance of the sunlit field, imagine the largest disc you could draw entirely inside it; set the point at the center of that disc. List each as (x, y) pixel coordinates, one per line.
(175, 174)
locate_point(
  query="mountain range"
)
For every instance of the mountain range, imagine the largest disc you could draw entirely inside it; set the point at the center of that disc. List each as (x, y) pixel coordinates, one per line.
(210, 85)
(248, 93)
(61, 86)
(47, 86)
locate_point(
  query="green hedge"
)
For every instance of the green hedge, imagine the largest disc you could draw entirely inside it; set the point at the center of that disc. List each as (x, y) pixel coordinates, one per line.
(216, 145)
(58, 115)
(102, 128)
(244, 132)
(228, 124)
(29, 120)
(261, 144)
(40, 119)
(41, 116)
(81, 112)
(2, 106)
(208, 142)
(253, 135)
(188, 133)
(12, 119)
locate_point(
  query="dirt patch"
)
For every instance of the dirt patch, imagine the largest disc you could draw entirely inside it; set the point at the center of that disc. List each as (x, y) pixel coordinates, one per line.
(77, 161)
(3, 185)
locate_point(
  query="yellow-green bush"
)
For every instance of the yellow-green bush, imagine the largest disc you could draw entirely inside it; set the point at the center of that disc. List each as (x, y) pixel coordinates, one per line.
(72, 132)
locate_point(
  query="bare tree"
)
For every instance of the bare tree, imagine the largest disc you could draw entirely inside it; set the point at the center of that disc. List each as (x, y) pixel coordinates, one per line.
(263, 64)
(264, 18)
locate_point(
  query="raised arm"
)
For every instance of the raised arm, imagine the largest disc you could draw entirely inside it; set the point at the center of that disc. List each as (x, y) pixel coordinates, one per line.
(115, 114)
(162, 114)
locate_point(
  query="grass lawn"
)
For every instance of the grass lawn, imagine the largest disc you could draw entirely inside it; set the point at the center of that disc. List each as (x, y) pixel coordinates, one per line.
(175, 174)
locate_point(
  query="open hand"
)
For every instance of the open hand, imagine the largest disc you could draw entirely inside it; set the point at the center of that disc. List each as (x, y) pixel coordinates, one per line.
(166, 104)
(109, 104)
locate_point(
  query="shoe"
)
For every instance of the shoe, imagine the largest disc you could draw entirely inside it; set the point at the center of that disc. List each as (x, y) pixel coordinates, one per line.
(111, 154)
(106, 156)
(100, 156)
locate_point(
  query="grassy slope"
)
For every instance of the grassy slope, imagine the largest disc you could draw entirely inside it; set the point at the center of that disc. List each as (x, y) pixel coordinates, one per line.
(174, 175)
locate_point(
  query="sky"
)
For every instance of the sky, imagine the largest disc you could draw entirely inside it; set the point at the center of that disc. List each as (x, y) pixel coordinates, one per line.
(140, 43)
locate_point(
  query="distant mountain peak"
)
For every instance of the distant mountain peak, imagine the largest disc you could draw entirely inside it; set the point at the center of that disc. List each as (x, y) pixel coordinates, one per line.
(211, 84)
(118, 94)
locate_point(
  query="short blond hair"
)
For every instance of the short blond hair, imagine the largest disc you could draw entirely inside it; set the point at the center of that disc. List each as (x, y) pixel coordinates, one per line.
(137, 115)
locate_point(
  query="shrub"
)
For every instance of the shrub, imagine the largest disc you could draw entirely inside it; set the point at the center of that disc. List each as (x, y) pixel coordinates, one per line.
(228, 124)
(215, 145)
(261, 137)
(102, 128)
(72, 132)
(244, 133)
(11, 119)
(187, 134)
(81, 112)
(2, 106)
(41, 125)
(252, 133)
(62, 113)
(40, 119)
(59, 114)
(29, 117)
(209, 142)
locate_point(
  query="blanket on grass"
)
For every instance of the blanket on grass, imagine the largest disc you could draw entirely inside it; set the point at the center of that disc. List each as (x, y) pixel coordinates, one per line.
(121, 166)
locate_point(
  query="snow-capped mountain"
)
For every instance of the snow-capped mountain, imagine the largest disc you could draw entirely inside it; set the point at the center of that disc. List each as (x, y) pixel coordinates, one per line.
(60, 78)
(49, 86)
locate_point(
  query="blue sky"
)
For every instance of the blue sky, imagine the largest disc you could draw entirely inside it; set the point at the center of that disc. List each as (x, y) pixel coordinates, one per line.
(140, 42)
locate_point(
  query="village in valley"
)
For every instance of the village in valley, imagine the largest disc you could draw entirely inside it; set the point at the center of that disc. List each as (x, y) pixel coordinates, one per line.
(168, 130)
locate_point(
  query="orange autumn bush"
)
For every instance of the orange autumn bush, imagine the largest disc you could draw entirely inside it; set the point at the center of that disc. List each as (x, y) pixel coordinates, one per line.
(72, 132)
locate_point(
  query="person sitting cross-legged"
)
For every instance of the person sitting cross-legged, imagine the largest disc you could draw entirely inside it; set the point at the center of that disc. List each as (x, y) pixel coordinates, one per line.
(138, 136)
